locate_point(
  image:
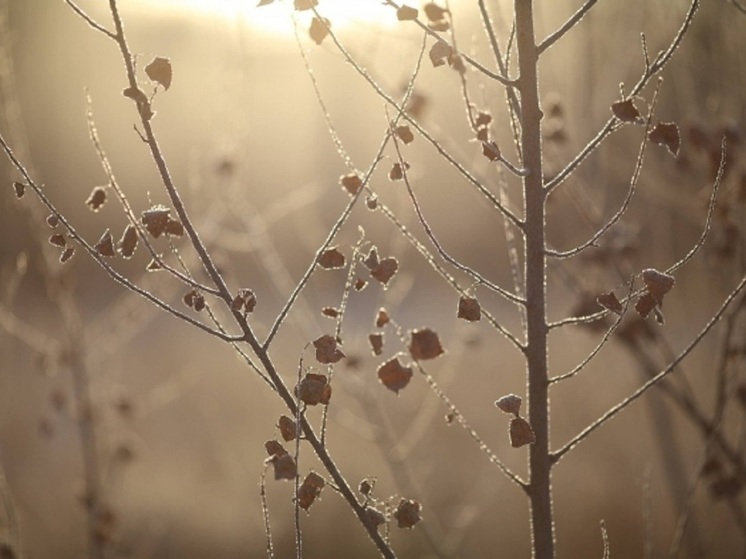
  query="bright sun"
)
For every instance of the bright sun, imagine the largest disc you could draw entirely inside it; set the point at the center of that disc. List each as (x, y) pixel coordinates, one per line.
(275, 18)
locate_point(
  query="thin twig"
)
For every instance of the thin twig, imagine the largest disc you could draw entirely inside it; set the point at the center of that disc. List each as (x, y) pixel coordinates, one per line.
(89, 20)
(567, 26)
(613, 411)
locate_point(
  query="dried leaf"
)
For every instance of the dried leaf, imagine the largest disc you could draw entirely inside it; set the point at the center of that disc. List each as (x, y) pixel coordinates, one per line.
(105, 245)
(159, 71)
(274, 448)
(610, 302)
(174, 228)
(314, 389)
(645, 304)
(309, 490)
(625, 111)
(331, 312)
(352, 183)
(382, 318)
(393, 375)
(53, 220)
(194, 299)
(666, 134)
(360, 284)
(509, 404)
(288, 428)
(434, 12)
(371, 261)
(372, 202)
(385, 270)
(376, 343)
(439, 53)
(407, 514)
(326, 350)
(67, 254)
(97, 198)
(365, 487)
(319, 29)
(155, 220)
(374, 517)
(153, 266)
(424, 344)
(483, 119)
(128, 242)
(491, 151)
(20, 189)
(264, 3)
(469, 309)
(301, 5)
(521, 433)
(657, 283)
(285, 467)
(404, 133)
(58, 240)
(331, 259)
(397, 172)
(406, 13)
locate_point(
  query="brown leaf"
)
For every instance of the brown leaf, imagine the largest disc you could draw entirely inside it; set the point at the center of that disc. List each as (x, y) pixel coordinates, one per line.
(610, 302)
(483, 119)
(20, 189)
(625, 111)
(274, 448)
(156, 220)
(301, 5)
(645, 304)
(360, 284)
(97, 198)
(285, 467)
(288, 428)
(371, 261)
(352, 182)
(371, 202)
(393, 375)
(174, 228)
(128, 242)
(105, 245)
(397, 172)
(657, 283)
(331, 259)
(309, 490)
(194, 299)
(491, 151)
(406, 13)
(331, 312)
(58, 240)
(424, 344)
(319, 29)
(404, 133)
(469, 309)
(314, 389)
(53, 220)
(374, 517)
(439, 53)
(264, 3)
(159, 71)
(407, 514)
(67, 254)
(385, 270)
(326, 350)
(521, 433)
(382, 318)
(434, 12)
(666, 134)
(365, 487)
(510, 404)
(376, 343)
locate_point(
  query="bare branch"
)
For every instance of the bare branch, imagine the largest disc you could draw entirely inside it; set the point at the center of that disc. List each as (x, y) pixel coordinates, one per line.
(567, 26)
(90, 21)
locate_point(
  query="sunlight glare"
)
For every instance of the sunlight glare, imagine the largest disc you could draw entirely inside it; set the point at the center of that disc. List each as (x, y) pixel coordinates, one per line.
(276, 18)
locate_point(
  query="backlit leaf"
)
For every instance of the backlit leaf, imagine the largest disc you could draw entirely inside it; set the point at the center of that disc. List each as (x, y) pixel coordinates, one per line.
(327, 350)
(314, 389)
(407, 514)
(424, 344)
(610, 302)
(352, 182)
(521, 433)
(666, 134)
(128, 242)
(509, 404)
(310, 489)
(625, 111)
(469, 309)
(319, 29)
(105, 245)
(159, 71)
(393, 375)
(97, 198)
(288, 428)
(406, 13)
(439, 53)
(376, 343)
(331, 259)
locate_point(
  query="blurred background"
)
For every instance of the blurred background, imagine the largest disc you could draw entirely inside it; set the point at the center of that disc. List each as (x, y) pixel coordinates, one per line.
(175, 428)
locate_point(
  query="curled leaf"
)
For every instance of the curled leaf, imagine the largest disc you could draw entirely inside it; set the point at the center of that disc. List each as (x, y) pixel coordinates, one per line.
(67, 254)
(439, 53)
(105, 245)
(666, 134)
(58, 240)
(128, 242)
(521, 433)
(657, 283)
(155, 220)
(376, 343)
(285, 467)
(331, 312)
(20, 189)
(159, 71)
(510, 404)
(374, 518)
(382, 318)
(397, 171)
(610, 302)
(407, 514)
(491, 151)
(314, 389)
(326, 350)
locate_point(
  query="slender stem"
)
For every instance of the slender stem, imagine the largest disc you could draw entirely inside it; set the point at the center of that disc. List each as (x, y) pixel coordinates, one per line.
(542, 525)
